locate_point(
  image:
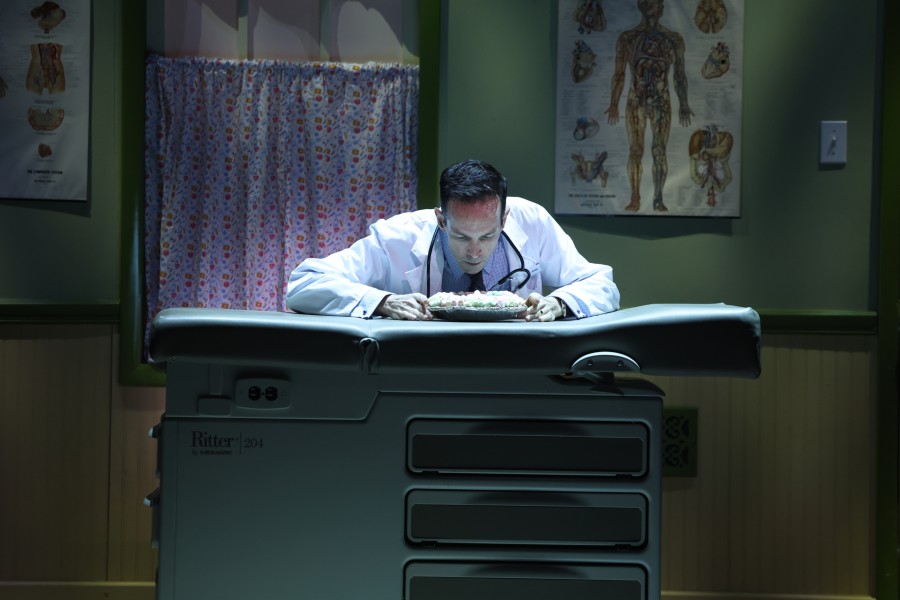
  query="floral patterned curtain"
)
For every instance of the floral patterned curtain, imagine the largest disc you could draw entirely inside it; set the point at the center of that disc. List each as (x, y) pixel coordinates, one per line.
(252, 166)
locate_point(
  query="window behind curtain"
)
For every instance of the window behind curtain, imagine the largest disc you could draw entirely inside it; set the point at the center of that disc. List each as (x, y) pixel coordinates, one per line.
(252, 166)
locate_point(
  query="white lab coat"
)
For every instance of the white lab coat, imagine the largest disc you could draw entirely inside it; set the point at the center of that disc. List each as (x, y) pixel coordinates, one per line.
(391, 259)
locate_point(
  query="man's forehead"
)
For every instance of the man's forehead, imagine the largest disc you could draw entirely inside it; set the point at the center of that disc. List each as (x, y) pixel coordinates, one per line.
(484, 208)
(473, 229)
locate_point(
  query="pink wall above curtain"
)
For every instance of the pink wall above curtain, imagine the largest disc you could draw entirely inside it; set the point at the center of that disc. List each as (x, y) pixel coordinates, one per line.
(252, 166)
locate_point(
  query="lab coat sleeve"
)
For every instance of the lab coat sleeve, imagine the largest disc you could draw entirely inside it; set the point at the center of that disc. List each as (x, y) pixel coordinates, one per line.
(348, 283)
(587, 288)
(338, 284)
(354, 281)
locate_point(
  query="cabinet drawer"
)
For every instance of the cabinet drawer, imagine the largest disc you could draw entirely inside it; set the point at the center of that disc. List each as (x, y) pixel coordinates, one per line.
(487, 581)
(526, 518)
(568, 448)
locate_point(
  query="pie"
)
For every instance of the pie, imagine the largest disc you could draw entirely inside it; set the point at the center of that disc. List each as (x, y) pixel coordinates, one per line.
(477, 300)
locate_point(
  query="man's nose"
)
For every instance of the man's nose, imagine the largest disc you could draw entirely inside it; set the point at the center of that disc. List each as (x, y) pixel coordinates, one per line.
(473, 250)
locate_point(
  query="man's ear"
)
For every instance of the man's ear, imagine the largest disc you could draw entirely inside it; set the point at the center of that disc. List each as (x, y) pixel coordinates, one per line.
(441, 221)
(503, 218)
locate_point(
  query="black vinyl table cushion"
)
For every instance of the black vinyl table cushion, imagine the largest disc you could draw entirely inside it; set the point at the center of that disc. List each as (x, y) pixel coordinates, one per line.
(662, 339)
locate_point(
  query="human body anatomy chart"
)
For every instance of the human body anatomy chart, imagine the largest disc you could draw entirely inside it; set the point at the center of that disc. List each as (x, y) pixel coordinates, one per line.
(45, 58)
(648, 108)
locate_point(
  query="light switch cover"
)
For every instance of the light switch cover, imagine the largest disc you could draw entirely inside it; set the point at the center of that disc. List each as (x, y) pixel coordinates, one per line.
(833, 143)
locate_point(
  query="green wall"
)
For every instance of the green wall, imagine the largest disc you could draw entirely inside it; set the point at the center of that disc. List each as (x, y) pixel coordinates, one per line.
(806, 235)
(68, 252)
(804, 241)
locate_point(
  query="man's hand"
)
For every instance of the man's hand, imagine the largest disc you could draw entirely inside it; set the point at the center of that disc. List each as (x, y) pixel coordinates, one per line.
(411, 307)
(543, 308)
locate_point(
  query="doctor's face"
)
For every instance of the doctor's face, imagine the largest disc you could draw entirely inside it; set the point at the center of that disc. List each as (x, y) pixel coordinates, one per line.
(473, 229)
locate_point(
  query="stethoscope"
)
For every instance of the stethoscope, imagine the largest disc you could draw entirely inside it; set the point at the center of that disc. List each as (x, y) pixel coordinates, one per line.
(502, 280)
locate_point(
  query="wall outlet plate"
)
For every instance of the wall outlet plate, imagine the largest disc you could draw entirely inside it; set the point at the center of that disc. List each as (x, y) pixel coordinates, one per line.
(679, 441)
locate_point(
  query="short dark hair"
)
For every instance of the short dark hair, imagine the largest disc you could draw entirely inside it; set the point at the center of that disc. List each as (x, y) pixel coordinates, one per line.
(471, 181)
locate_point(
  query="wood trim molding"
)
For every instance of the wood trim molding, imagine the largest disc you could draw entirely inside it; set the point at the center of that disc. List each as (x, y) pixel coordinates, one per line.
(740, 596)
(59, 313)
(145, 590)
(77, 590)
(818, 321)
(773, 320)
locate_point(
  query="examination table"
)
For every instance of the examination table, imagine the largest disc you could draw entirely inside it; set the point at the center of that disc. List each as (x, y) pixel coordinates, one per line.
(332, 458)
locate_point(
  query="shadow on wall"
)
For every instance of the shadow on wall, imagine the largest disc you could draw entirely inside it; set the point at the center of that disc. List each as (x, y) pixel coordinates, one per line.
(650, 229)
(334, 30)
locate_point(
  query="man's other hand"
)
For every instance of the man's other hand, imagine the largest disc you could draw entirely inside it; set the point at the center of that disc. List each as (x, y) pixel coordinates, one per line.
(543, 308)
(410, 307)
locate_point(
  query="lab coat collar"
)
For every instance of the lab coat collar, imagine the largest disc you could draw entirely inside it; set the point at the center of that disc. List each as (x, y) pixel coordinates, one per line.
(519, 239)
(515, 233)
(415, 277)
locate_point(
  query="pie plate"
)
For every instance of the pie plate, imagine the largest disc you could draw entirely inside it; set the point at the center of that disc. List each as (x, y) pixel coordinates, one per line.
(459, 313)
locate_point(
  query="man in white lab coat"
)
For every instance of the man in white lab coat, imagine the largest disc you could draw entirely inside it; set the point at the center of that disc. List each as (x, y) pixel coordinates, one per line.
(477, 239)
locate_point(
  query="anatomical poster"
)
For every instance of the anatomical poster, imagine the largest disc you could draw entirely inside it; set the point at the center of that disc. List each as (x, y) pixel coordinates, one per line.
(648, 107)
(45, 85)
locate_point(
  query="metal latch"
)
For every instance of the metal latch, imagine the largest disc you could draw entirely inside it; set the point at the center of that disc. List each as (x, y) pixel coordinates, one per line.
(604, 362)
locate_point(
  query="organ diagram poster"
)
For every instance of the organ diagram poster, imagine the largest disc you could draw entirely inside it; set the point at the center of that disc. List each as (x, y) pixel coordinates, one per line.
(45, 58)
(648, 107)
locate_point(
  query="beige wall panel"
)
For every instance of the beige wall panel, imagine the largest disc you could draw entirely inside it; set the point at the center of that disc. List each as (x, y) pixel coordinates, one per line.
(132, 478)
(782, 501)
(54, 451)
